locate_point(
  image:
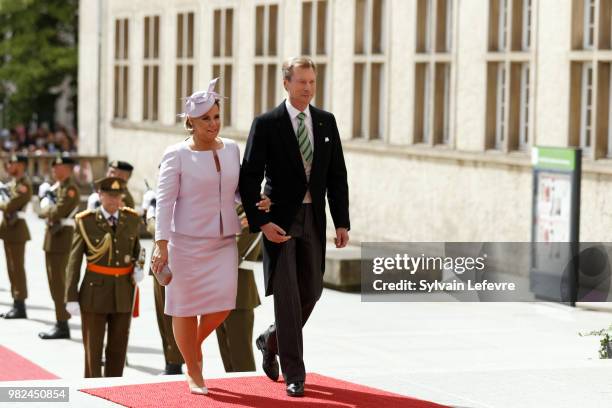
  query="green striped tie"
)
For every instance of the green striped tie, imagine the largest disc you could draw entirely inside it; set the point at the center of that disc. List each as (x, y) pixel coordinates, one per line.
(302, 137)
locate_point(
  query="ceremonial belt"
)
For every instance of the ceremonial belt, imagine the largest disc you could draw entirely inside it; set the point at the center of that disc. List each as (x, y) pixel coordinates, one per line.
(110, 270)
(125, 270)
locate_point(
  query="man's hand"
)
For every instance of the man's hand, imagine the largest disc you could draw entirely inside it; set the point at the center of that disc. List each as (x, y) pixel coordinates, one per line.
(342, 237)
(264, 204)
(275, 233)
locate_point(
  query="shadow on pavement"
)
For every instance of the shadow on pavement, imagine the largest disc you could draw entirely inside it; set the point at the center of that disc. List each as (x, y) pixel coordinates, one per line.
(143, 350)
(146, 369)
(29, 307)
(72, 326)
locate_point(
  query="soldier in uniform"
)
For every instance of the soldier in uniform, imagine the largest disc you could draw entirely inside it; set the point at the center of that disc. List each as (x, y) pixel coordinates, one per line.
(14, 231)
(172, 355)
(122, 170)
(235, 334)
(108, 237)
(58, 236)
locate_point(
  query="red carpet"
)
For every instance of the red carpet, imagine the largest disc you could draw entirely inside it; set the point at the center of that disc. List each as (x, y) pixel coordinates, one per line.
(20, 368)
(258, 392)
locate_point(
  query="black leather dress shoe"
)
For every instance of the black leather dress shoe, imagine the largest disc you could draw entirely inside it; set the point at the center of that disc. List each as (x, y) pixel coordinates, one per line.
(269, 364)
(59, 331)
(295, 389)
(18, 311)
(172, 369)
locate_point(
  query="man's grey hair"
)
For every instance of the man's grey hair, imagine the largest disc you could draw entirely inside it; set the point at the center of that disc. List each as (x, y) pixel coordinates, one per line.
(302, 62)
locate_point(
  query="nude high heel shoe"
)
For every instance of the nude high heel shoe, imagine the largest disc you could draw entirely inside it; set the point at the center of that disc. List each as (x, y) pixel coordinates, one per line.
(194, 388)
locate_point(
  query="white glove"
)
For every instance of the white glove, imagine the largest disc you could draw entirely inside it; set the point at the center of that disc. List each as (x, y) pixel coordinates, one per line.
(147, 199)
(150, 212)
(73, 308)
(45, 206)
(43, 188)
(4, 195)
(138, 275)
(93, 201)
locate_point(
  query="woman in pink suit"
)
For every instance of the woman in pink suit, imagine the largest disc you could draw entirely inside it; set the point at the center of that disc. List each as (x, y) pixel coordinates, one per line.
(196, 226)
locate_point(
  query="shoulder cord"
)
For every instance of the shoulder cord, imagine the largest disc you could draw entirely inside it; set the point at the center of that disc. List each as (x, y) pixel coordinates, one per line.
(97, 252)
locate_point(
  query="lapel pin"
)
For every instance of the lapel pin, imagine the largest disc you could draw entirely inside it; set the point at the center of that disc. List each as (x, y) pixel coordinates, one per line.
(326, 139)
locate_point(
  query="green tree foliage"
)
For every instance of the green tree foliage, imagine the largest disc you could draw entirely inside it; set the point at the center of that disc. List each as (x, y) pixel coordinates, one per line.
(38, 50)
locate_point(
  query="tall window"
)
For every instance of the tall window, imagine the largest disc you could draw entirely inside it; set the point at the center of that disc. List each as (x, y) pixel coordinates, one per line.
(524, 105)
(121, 69)
(433, 72)
(185, 59)
(526, 24)
(502, 21)
(590, 81)
(509, 75)
(588, 40)
(369, 69)
(500, 103)
(150, 97)
(223, 58)
(315, 43)
(267, 73)
(586, 109)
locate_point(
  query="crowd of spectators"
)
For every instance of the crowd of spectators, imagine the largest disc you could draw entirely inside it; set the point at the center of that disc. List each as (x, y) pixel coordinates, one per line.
(39, 140)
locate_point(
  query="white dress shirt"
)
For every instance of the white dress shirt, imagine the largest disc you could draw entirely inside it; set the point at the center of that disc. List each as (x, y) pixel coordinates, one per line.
(107, 215)
(293, 113)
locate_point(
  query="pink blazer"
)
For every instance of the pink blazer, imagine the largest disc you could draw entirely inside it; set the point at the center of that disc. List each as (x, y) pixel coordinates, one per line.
(192, 198)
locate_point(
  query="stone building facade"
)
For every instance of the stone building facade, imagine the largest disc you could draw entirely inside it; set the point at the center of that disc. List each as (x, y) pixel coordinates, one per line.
(438, 102)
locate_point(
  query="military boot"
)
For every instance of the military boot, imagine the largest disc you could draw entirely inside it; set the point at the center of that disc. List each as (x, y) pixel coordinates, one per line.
(172, 369)
(59, 331)
(18, 311)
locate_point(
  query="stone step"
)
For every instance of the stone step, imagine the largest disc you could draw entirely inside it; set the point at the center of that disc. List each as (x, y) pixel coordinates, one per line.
(343, 268)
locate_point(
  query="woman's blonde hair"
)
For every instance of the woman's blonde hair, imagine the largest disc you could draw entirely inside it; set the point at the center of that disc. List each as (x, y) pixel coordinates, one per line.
(188, 126)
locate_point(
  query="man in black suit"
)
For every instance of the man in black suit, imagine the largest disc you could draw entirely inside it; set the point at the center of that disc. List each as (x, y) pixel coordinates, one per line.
(297, 148)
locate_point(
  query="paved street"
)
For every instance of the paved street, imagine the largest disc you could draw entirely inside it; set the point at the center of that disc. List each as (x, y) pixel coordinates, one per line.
(464, 355)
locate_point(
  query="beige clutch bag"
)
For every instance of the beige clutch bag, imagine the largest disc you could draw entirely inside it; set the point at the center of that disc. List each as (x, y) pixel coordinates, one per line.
(164, 277)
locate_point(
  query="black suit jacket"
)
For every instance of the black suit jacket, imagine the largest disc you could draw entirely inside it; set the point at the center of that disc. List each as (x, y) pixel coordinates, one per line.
(272, 152)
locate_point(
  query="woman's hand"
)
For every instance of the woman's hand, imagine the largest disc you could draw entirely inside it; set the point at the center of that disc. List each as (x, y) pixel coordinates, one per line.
(160, 256)
(264, 204)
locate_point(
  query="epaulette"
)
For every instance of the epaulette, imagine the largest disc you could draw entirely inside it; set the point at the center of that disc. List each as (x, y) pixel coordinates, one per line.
(83, 214)
(130, 210)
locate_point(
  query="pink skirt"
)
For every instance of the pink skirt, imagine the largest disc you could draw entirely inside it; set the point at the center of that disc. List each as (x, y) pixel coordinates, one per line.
(204, 275)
